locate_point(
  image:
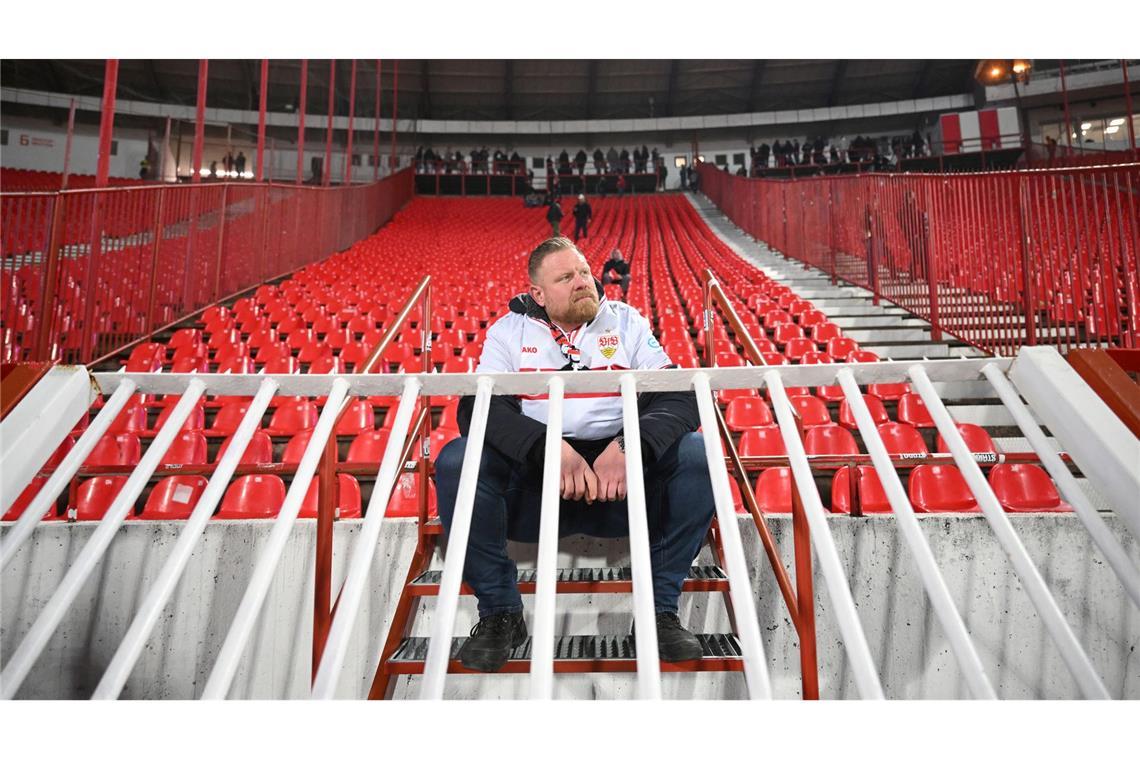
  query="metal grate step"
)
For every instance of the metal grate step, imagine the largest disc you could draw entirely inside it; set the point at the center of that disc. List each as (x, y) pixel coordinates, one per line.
(584, 580)
(579, 654)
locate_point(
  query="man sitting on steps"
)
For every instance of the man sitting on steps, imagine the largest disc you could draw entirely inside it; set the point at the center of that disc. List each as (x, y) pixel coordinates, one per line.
(564, 322)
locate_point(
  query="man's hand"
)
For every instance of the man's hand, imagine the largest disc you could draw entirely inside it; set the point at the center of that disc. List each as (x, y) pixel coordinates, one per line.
(610, 468)
(578, 480)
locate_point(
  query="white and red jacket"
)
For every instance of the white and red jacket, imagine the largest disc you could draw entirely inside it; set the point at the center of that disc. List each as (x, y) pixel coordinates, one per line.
(617, 338)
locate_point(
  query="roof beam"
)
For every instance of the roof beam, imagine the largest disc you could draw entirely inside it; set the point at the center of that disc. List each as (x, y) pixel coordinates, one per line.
(836, 80)
(591, 86)
(922, 79)
(160, 89)
(508, 89)
(425, 91)
(757, 78)
(671, 95)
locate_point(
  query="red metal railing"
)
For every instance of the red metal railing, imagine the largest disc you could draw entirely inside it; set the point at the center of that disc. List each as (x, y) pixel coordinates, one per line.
(85, 272)
(998, 260)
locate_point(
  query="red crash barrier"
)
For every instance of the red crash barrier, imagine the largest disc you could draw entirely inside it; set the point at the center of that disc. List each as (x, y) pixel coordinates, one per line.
(999, 260)
(85, 272)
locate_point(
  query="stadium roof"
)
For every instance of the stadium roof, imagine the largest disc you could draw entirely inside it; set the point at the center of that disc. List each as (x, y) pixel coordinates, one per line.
(518, 89)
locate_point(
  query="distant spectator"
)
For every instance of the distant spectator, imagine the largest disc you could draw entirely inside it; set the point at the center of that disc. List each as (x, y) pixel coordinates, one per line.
(624, 158)
(685, 177)
(741, 172)
(420, 160)
(599, 160)
(554, 216)
(582, 215)
(662, 173)
(228, 162)
(611, 160)
(239, 163)
(213, 168)
(563, 163)
(616, 271)
(621, 184)
(580, 161)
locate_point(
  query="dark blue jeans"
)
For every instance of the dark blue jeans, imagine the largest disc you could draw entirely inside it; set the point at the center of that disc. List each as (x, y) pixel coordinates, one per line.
(678, 498)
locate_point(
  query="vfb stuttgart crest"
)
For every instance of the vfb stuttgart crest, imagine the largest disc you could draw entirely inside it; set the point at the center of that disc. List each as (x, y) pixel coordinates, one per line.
(608, 345)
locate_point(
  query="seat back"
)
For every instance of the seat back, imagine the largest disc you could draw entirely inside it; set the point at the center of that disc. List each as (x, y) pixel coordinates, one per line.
(174, 498)
(252, 496)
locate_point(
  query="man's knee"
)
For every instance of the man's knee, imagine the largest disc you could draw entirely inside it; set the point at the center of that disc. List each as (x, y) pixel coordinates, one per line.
(691, 457)
(448, 465)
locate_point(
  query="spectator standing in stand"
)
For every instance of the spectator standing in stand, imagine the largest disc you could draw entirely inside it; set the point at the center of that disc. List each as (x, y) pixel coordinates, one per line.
(239, 163)
(582, 216)
(580, 161)
(611, 160)
(616, 271)
(621, 184)
(599, 160)
(554, 216)
(662, 173)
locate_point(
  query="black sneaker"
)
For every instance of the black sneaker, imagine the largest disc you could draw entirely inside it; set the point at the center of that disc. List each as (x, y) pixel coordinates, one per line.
(674, 643)
(492, 640)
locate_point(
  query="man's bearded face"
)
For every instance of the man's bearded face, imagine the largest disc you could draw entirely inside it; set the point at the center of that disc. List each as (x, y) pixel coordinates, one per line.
(565, 288)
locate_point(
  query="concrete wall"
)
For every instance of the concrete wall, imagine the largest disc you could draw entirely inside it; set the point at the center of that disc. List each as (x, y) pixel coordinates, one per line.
(910, 649)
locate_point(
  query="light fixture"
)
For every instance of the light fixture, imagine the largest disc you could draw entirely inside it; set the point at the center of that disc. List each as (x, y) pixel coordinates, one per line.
(1116, 122)
(247, 174)
(203, 172)
(1087, 125)
(1112, 130)
(1074, 135)
(995, 72)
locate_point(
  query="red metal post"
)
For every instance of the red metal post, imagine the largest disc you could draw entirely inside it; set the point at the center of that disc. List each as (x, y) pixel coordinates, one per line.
(199, 123)
(107, 123)
(1065, 103)
(259, 172)
(67, 146)
(301, 122)
(376, 128)
(1128, 106)
(326, 170)
(395, 111)
(165, 151)
(351, 113)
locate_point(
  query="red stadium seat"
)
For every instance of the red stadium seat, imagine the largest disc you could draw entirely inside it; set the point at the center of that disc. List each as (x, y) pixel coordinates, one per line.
(174, 498)
(874, 406)
(348, 503)
(368, 447)
(24, 500)
(774, 490)
(762, 442)
(229, 416)
(123, 449)
(811, 410)
(797, 348)
(840, 348)
(96, 495)
(940, 488)
(786, 331)
(259, 450)
(822, 332)
(132, 418)
(872, 498)
(1025, 488)
(883, 391)
(295, 449)
(252, 496)
(727, 396)
(405, 501)
(293, 417)
(439, 438)
(829, 440)
(744, 413)
(189, 447)
(913, 411)
(359, 417)
(196, 420)
(900, 438)
(977, 440)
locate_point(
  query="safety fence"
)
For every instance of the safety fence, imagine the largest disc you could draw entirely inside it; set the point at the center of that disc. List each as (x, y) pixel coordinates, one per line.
(86, 272)
(999, 260)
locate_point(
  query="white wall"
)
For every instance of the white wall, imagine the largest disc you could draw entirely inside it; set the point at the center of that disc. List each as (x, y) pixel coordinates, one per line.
(40, 144)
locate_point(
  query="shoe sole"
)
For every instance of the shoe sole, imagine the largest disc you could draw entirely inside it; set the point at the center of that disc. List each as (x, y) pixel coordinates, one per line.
(492, 666)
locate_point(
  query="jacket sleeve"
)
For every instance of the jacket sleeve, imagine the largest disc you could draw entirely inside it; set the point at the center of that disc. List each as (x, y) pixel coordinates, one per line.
(509, 431)
(665, 416)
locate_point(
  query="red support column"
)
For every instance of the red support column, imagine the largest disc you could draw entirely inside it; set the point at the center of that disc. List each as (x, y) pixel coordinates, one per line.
(260, 170)
(395, 111)
(67, 146)
(200, 123)
(1128, 105)
(107, 123)
(326, 170)
(351, 113)
(301, 122)
(376, 128)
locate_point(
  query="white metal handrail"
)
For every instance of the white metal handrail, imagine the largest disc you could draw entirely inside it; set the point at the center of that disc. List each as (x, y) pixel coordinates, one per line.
(739, 583)
(645, 623)
(225, 666)
(1070, 648)
(336, 645)
(117, 673)
(41, 631)
(546, 566)
(443, 624)
(1117, 558)
(955, 629)
(59, 479)
(855, 640)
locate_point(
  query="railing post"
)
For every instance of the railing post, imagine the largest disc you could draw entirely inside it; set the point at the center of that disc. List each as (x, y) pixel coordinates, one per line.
(327, 498)
(41, 351)
(218, 261)
(1026, 264)
(872, 264)
(805, 599)
(932, 279)
(150, 294)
